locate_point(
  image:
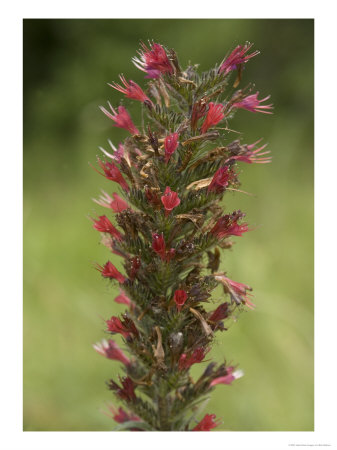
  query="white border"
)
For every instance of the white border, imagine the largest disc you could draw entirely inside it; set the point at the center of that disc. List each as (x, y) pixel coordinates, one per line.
(324, 12)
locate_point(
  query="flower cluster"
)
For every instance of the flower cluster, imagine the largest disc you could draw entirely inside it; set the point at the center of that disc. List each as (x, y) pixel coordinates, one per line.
(164, 218)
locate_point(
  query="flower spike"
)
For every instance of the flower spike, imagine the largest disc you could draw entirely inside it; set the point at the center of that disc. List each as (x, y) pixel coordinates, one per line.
(170, 230)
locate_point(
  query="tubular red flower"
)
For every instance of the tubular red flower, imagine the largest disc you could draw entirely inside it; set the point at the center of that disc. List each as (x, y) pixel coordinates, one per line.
(126, 392)
(170, 199)
(229, 378)
(159, 246)
(110, 350)
(115, 326)
(117, 154)
(131, 90)
(207, 423)
(220, 180)
(153, 61)
(170, 144)
(220, 313)
(110, 271)
(237, 291)
(198, 111)
(248, 155)
(227, 226)
(123, 299)
(214, 116)
(121, 118)
(117, 204)
(111, 172)
(251, 103)
(135, 265)
(180, 297)
(121, 416)
(238, 56)
(104, 225)
(185, 361)
(125, 327)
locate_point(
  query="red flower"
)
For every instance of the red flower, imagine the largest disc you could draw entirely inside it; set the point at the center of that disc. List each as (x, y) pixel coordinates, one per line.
(198, 111)
(229, 378)
(115, 326)
(117, 204)
(248, 155)
(110, 271)
(135, 265)
(207, 423)
(125, 327)
(117, 153)
(227, 226)
(170, 144)
(251, 103)
(111, 172)
(121, 416)
(110, 350)
(126, 392)
(237, 57)
(105, 226)
(214, 116)
(237, 291)
(220, 313)
(159, 246)
(131, 90)
(220, 180)
(123, 299)
(153, 61)
(180, 297)
(170, 200)
(185, 361)
(122, 119)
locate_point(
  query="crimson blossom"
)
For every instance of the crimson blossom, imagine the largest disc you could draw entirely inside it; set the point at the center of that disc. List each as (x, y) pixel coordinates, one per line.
(127, 391)
(214, 116)
(236, 58)
(110, 271)
(104, 225)
(111, 172)
(110, 350)
(220, 180)
(131, 90)
(116, 203)
(122, 298)
(253, 104)
(228, 378)
(180, 297)
(153, 61)
(121, 118)
(185, 361)
(170, 144)
(207, 423)
(228, 226)
(159, 246)
(170, 200)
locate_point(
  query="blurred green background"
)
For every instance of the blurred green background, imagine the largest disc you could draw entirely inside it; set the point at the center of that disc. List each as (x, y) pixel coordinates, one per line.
(67, 64)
